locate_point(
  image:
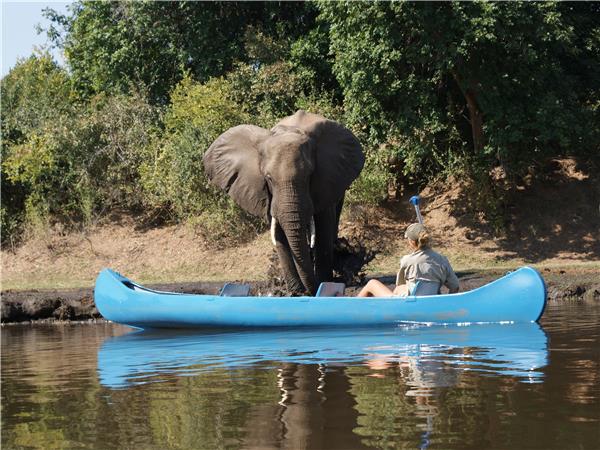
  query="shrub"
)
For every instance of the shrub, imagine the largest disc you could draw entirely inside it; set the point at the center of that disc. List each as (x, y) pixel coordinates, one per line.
(119, 129)
(34, 93)
(371, 187)
(49, 167)
(172, 174)
(77, 165)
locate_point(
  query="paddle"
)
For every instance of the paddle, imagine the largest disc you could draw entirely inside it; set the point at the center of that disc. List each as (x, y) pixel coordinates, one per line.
(414, 200)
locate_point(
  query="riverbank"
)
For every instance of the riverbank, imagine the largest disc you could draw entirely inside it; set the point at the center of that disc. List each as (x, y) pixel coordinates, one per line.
(51, 278)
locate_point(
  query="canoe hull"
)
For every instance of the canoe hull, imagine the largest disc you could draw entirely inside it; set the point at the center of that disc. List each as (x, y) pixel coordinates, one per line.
(520, 296)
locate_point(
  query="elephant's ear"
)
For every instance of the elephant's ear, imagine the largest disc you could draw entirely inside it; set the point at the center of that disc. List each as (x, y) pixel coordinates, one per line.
(232, 163)
(338, 154)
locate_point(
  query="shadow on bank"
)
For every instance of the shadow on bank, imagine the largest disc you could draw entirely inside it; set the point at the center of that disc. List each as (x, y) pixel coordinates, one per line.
(549, 213)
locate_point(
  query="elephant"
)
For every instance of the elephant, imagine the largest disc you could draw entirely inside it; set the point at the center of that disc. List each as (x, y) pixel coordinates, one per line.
(295, 176)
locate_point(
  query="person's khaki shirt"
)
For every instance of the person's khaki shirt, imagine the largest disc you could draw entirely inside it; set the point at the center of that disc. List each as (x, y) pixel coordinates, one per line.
(428, 266)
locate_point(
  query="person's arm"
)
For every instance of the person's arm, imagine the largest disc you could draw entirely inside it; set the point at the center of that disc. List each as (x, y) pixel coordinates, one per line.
(451, 279)
(401, 275)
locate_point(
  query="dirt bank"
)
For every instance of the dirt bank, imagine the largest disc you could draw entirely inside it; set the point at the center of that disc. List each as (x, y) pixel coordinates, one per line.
(70, 304)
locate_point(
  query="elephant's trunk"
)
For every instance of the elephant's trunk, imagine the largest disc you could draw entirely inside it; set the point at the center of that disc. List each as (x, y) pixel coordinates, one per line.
(299, 247)
(294, 215)
(313, 233)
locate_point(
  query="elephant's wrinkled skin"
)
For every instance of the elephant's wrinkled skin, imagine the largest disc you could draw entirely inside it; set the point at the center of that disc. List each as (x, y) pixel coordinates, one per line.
(296, 172)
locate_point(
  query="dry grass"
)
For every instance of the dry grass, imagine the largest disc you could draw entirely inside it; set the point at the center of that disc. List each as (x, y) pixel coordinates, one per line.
(166, 254)
(175, 254)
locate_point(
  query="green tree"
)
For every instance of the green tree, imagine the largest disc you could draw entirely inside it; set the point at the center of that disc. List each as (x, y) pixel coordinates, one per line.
(34, 93)
(284, 74)
(110, 45)
(477, 84)
(309, 56)
(427, 87)
(79, 164)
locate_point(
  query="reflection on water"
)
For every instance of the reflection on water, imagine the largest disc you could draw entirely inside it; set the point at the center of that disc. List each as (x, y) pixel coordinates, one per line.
(433, 354)
(106, 386)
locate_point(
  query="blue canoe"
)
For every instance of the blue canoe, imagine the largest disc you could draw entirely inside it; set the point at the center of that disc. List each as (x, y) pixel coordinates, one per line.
(520, 296)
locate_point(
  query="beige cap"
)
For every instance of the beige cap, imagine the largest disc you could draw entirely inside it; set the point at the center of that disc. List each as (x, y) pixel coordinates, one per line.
(414, 230)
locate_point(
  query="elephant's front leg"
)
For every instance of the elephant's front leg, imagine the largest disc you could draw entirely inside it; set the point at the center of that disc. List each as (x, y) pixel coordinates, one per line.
(288, 268)
(326, 233)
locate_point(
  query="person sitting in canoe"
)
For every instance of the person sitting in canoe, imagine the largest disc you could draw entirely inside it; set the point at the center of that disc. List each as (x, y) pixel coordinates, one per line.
(423, 267)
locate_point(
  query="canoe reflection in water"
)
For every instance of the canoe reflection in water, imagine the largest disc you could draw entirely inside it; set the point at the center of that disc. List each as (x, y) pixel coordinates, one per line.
(316, 369)
(429, 355)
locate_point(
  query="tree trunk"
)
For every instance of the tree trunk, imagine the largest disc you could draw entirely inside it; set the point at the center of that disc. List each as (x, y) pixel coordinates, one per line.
(475, 113)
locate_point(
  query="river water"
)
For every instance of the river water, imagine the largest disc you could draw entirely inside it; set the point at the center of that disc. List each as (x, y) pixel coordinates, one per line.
(104, 386)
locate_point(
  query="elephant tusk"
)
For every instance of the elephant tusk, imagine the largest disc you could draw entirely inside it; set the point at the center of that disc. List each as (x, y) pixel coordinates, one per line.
(273, 225)
(313, 233)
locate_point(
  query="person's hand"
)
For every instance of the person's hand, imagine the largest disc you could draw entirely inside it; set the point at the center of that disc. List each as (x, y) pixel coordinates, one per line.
(401, 290)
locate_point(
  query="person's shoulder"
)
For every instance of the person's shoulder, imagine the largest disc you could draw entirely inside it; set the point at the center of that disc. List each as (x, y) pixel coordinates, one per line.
(408, 258)
(432, 253)
(443, 257)
(446, 262)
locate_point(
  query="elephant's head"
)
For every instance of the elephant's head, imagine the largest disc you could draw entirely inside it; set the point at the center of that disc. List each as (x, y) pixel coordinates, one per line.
(300, 167)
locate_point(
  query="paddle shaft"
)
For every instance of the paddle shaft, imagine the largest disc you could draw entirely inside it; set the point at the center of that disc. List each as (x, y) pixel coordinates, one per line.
(414, 200)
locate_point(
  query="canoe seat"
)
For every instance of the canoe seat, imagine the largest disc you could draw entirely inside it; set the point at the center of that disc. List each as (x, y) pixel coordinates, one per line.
(235, 290)
(329, 289)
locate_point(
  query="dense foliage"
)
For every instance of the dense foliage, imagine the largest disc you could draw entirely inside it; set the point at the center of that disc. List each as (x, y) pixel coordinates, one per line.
(429, 89)
(468, 82)
(111, 46)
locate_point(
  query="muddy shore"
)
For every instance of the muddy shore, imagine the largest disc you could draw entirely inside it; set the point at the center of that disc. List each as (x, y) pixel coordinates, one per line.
(78, 304)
